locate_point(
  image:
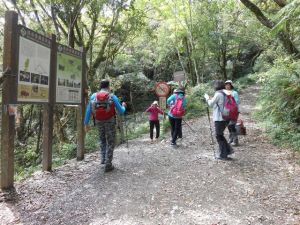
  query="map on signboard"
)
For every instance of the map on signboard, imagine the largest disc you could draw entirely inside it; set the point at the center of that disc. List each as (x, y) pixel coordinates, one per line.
(69, 73)
(33, 73)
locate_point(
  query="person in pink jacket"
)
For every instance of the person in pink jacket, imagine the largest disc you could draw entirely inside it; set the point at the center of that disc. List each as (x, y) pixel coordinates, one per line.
(154, 110)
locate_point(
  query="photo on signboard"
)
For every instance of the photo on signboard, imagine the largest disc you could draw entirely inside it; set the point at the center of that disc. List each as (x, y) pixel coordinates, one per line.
(61, 67)
(24, 76)
(35, 78)
(35, 89)
(61, 82)
(44, 80)
(69, 83)
(77, 84)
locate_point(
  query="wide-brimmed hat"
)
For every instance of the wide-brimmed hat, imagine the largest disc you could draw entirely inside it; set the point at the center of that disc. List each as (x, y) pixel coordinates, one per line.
(179, 90)
(229, 82)
(155, 103)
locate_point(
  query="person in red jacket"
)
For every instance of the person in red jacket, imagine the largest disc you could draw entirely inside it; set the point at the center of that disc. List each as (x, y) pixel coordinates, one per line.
(154, 110)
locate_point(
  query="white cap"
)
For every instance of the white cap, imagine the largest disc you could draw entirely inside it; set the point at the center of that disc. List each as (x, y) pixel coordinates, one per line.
(155, 103)
(228, 82)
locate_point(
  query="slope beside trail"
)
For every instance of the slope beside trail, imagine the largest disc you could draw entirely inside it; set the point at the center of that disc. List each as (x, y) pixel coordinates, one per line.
(156, 184)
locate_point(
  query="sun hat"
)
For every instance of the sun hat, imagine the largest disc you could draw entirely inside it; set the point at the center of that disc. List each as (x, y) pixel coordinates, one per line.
(155, 103)
(229, 82)
(179, 90)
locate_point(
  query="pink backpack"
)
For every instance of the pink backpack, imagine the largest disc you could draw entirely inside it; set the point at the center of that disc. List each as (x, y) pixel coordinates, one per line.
(176, 109)
(230, 110)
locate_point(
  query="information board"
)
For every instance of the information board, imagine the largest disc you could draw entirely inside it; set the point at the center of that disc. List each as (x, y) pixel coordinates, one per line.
(34, 66)
(69, 74)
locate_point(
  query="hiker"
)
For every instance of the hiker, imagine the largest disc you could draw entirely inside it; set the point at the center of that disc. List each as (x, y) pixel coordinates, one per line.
(177, 103)
(102, 106)
(229, 90)
(154, 110)
(217, 102)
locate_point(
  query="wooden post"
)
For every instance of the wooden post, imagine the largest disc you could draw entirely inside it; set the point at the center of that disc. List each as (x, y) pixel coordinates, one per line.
(49, 110)
(9, 96)
(81, 112)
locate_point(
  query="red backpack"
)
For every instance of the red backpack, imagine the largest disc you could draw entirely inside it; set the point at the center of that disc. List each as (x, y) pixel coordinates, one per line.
(177, 110)
(103, 107)
(230, 109)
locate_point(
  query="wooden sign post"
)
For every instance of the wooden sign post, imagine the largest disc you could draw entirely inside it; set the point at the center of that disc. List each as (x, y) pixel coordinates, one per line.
(49, 111)
(37, 70)
(9, 96)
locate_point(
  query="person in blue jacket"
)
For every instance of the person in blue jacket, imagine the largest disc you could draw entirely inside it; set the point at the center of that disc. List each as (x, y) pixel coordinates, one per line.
(176, 122)
(106, 127)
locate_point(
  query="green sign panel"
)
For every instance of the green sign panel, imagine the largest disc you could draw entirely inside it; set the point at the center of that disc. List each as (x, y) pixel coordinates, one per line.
(69, 74)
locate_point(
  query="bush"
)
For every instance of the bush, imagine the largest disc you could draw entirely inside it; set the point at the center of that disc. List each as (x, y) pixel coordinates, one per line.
(280, 102)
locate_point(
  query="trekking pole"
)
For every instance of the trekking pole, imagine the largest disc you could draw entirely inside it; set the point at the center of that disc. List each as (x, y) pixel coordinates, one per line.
(211, 135)
(126, 135)
(189, 126)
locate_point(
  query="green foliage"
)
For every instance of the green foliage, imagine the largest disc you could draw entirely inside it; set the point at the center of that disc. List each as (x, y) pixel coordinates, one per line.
(92, 140)
(243, 82)
(196, 105)
(280, 101)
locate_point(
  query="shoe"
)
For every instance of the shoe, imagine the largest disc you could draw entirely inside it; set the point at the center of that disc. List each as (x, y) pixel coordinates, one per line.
(224, 158)
(234, 144)
(231, 151)
(109, 168)
(173, 144)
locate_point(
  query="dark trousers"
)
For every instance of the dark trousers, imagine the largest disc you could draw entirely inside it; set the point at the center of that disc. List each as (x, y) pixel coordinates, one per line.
(152, 124)
(224, 147)
(176, 128)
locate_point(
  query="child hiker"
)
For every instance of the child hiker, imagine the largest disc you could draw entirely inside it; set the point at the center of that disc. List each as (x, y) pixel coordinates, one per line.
(154, 110)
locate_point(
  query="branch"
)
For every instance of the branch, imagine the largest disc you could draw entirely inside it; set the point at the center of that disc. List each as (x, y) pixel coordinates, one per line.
(281, 3)
(258, 13)
(37, 16)
(7, 8)
(53, 18)
(100, 56)
(282, 35)
(19, 13)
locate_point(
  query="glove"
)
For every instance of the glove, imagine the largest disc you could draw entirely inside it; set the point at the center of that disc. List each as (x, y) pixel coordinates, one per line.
(206, 96)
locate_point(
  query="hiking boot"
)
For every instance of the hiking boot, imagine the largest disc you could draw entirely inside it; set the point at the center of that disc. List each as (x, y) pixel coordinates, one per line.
(173, 144)
(109, 168)
(224, 158)
(231, 151)
(234, 144)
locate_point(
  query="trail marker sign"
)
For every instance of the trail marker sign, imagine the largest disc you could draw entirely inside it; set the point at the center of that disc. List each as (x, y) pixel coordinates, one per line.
(179, 76)
(162, 89)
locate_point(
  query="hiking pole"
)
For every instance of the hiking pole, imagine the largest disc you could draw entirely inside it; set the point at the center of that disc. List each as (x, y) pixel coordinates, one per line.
(189, 126)
(211, 135)
(126, 135)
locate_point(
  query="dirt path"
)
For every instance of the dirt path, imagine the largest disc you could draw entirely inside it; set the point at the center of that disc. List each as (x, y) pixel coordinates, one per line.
(156, 184)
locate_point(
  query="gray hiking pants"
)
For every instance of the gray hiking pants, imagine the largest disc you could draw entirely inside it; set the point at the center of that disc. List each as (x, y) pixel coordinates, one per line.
(107, 134)
(233, 136)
